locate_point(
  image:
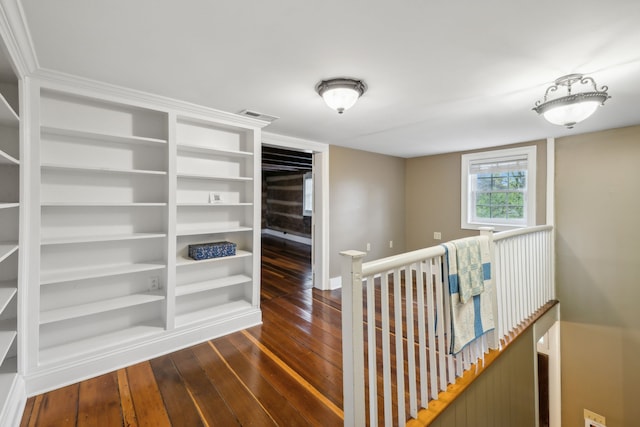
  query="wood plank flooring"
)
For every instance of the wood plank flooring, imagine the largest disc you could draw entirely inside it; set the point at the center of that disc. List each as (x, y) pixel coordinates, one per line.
(285, 372)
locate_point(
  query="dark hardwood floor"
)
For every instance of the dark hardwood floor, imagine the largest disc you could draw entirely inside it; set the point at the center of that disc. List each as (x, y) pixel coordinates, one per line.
(285, 372)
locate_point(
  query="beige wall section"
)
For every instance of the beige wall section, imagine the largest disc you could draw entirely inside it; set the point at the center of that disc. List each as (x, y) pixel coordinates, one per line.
(433, 196)
(598, 279)
(366, 199)
(503, 396)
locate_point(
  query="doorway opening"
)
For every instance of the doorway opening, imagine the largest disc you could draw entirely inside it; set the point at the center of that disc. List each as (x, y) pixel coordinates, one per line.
(310, 160)
(287, 217)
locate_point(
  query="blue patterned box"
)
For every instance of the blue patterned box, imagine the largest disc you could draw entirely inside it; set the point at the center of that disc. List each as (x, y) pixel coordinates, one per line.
(212, 250)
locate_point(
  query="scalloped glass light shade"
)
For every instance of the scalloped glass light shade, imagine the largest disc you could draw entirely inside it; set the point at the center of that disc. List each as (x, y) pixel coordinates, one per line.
(569, 115)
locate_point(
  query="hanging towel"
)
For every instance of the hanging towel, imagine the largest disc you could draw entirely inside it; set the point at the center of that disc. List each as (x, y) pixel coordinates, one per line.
(472, 257)
(473, 318)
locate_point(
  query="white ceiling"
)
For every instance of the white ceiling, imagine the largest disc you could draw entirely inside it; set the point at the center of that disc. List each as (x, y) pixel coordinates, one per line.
(443, 75)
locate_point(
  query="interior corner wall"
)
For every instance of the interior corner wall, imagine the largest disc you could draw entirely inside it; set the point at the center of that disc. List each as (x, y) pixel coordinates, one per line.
(433, 196)
(598, 280)
(366, 204)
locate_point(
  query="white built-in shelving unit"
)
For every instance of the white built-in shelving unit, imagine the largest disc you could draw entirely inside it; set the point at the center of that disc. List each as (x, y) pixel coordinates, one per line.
(121, 187)
(215, 195)
(103, 227)
(10, 171)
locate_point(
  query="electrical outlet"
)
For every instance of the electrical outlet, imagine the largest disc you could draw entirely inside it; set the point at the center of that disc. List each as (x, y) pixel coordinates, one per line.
(591, 419)
(391, 243)
(368, 247)
(154, 283)
(215, 197)
(437, 235)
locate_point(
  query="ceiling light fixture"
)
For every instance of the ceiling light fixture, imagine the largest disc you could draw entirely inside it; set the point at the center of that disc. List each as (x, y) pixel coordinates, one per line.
(567, 110)
(341, 93)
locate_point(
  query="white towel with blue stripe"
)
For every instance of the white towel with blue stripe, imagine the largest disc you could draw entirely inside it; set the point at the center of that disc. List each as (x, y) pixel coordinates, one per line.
(468, 269)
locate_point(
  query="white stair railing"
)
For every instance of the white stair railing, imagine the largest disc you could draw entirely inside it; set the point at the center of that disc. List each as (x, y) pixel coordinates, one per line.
(396, 312)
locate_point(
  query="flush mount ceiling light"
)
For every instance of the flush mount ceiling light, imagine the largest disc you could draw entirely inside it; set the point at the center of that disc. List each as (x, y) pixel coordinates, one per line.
(341, 93)
(571, 108)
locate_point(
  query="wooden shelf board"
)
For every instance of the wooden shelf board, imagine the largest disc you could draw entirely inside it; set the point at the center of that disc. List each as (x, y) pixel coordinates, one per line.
(7, 290)
(208, 285)
(222, 205)
(100, 204)
(213, 151)
(7, 159)
(120, 139)
(98, 343)
(72, 312)
(184, 231)
(181, 261)
(69, 275)
(8, 116)
(213, 177)
(97, 238)
(6, 249)
(214, 312)
(86, 169)
(8, 205)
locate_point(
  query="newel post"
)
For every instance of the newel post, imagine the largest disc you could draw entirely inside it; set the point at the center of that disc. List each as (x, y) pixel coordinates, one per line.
(494, 337)
(352, 339)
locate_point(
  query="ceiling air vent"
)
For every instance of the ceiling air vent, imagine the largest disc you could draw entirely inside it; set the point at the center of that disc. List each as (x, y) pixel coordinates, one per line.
(259, 116)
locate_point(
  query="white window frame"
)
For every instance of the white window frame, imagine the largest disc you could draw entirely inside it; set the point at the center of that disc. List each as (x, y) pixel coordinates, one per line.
(307, 210)
(496, 155)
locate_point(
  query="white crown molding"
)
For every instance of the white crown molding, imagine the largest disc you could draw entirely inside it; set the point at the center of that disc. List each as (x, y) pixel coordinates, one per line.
(69, 82)
(15, 33)
(269, 138)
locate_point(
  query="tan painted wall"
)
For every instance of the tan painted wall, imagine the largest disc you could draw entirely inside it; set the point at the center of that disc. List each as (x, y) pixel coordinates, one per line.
(598, 274)
(503, 396)
(433, 196)
(366, 204)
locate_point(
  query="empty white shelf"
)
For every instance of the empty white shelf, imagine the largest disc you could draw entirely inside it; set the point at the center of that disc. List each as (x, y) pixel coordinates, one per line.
(121, 139)
(6, 159)
(211, 313)
(101, 204)
(98, 238)
(181, 261)
(190, 205)
(98, 343)
(7, 115)
(194, 231)
(213, 177)
(5, 205)
(7, 290)
(6, 249)
(213, 151)
(7, 337)
(60, 276)
(208, 285)
(75, 311)
(89, 169)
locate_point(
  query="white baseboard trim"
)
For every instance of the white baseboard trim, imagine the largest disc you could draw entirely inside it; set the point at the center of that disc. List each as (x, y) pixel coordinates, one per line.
(288, 236)
(81, 368)
(335, 283)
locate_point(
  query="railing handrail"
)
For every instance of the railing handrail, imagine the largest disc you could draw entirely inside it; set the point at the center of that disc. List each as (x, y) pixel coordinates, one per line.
(521, 231)
(522, 281)
(395, 261)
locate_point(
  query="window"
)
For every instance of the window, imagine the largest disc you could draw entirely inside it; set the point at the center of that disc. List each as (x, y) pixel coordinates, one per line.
(498, 188)
(307, 204)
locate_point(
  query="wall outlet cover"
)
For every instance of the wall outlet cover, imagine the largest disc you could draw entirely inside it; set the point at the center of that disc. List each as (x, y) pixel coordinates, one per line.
(598, 419)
